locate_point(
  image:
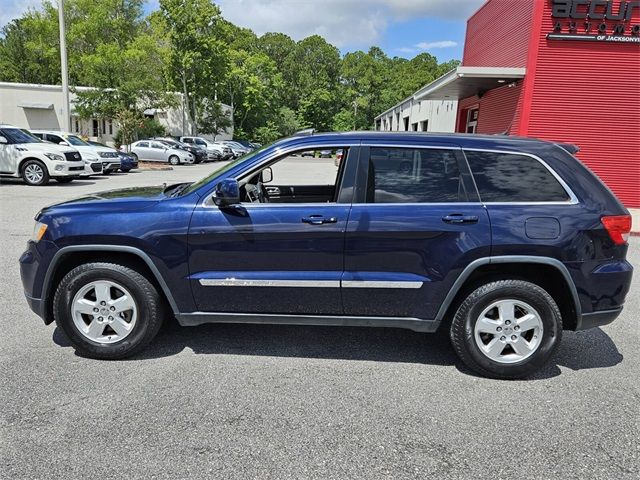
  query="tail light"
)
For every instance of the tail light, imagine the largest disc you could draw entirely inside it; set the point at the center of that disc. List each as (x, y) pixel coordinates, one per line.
(618, 227)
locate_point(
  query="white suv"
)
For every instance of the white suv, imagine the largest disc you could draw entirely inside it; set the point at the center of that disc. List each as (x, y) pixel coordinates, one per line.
(101, 159)
(23, 155)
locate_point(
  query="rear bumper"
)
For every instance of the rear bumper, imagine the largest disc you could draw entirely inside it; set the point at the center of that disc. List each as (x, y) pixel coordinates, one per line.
(598, 319)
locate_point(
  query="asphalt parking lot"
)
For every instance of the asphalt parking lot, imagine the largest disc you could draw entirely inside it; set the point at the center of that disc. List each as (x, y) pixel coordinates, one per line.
(256, 401)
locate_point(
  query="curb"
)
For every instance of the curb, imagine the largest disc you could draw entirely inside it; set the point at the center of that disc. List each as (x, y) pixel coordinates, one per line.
(153, 166)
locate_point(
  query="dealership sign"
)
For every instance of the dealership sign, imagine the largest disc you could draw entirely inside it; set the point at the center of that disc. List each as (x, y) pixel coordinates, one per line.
(595, 21)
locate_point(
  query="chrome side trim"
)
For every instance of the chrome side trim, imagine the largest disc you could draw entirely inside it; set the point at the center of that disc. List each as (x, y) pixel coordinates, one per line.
(380, 284)
(238, 282)
(573, 200)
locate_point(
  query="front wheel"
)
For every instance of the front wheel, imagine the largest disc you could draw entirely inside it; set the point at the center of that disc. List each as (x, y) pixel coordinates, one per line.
(107, 311)
(507, 329)
(35, 173)
(174, 160)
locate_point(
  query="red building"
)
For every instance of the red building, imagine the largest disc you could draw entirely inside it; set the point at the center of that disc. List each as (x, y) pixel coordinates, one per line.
(563, 70)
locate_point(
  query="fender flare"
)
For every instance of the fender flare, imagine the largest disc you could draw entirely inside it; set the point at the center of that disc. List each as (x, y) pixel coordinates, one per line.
(104, 248)
(469, 269)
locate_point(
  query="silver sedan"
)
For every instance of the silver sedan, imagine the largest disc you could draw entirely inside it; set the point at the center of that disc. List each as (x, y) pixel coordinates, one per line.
(155, 151)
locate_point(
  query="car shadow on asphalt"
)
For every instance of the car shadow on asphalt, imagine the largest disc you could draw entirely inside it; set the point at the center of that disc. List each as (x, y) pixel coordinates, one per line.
(578, 351)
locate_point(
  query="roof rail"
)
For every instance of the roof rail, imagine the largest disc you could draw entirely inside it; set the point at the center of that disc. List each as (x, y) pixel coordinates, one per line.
(305, 133)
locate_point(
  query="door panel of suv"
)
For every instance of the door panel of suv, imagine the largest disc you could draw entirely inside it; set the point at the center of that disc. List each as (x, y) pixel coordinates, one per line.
(279, 258)
(416, 224)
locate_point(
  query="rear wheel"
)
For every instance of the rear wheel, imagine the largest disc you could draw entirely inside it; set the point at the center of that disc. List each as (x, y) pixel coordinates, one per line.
(507, 329)
(107, 311)
(35, 173)
(174, 160)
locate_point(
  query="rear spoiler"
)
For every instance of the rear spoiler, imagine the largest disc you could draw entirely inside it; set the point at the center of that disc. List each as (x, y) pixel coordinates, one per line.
(569, 147)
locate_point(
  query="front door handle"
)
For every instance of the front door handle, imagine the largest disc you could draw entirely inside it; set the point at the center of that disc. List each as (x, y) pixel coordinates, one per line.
(318, 219)
(458, 218)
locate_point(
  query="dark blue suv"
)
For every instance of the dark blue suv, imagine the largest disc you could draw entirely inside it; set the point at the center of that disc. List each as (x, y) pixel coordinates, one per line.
(504, 241)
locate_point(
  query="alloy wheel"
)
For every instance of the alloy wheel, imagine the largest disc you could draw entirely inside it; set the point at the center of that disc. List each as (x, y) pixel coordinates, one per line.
(104, 311)
(508, 331)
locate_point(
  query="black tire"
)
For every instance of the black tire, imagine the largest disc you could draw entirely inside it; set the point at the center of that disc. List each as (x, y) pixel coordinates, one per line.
(174, 160)
(463, 325)
(34, 166)
(106, 172)
(145, 295)
(65, 179)
(125, 170)
(135, 157)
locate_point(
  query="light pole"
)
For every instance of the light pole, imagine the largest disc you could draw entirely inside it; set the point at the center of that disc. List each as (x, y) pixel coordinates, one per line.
(65, 69)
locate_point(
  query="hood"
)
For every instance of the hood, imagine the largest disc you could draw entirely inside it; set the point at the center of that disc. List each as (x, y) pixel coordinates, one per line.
(46, 147)
(126, 199)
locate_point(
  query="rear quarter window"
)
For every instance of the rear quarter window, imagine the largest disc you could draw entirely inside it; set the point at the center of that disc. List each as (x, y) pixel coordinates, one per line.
(507, 177)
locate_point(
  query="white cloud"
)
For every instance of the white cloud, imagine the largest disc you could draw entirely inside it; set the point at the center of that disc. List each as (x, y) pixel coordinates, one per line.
(432, 45)
(10, 9)
(341, 22)
(426, 46)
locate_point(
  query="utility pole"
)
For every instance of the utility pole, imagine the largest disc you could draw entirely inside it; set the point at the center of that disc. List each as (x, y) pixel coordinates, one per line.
(65, 69)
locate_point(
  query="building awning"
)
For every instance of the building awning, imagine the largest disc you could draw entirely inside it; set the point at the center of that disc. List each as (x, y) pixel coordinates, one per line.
(36, 106)
(466, 82)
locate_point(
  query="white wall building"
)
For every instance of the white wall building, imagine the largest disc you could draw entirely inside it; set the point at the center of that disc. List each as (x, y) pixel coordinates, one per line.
(33, 106)
(412, 115)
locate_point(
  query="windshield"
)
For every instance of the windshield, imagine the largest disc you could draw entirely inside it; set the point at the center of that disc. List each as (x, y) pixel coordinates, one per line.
(221, 170)
(73, 140)
(16, 135)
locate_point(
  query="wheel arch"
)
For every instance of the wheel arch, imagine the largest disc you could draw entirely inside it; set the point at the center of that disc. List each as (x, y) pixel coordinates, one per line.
(67, 258)
(549, 273)
(24, 160)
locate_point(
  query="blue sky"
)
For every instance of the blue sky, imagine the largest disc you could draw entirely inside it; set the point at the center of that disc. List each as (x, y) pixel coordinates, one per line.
(400, 27)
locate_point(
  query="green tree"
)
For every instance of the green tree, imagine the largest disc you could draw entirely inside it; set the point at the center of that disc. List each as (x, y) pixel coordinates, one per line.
(198, 49)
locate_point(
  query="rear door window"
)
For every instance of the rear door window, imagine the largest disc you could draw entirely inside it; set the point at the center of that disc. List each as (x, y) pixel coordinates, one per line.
(509, 178)
(414, 175)
(143, 145)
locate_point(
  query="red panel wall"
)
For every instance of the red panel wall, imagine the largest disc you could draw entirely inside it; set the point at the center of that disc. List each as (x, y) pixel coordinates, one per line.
(588, 93)
(497, 110)
(498, 34)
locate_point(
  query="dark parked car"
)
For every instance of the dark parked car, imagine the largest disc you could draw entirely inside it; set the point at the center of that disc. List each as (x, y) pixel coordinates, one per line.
(127, 162)
(504, 242)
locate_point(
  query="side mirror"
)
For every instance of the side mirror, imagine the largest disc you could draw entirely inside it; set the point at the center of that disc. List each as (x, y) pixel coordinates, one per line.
(267, 175)
(3, 140)
(63, 143)
(226, 193)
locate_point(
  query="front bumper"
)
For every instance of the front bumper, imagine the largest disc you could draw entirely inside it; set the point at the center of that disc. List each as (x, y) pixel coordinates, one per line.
(110, 165)
(33, 269)
(66, 169)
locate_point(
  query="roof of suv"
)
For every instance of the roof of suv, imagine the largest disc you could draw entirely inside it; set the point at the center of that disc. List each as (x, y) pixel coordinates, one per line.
(463, 140)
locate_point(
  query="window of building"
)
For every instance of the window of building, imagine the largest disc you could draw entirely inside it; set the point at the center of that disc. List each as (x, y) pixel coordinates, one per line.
(397, 121)
(110, 125)
(95, 128)
(505, 177)
(424, 125)
(472, 120)
(76, 125)
(405, 121)
(414, 127)
(408, 175)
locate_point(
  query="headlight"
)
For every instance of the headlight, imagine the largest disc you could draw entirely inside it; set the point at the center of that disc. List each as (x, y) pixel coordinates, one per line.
(55, 157)
(105, 154)
(38, 231)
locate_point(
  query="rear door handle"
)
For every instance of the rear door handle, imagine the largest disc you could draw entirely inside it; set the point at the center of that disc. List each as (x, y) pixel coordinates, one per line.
(459, 218)
(319, 219)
